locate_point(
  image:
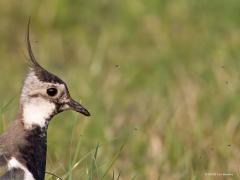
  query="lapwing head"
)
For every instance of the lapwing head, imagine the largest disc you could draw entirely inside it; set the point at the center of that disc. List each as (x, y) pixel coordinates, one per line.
(44, 94)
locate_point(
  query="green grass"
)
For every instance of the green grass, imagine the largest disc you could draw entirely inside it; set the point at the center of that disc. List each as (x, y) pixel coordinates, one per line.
(160, 78)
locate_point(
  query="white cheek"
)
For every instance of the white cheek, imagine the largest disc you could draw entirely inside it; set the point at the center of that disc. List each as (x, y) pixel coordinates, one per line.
(37, 112)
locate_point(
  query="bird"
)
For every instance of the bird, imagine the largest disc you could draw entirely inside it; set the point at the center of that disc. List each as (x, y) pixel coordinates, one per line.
(23, 146)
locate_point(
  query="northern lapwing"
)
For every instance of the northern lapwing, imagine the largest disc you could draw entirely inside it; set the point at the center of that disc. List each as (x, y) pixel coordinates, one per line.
(23, 146)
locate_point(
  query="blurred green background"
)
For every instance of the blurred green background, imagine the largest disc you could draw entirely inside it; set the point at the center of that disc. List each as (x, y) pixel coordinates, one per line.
(160, 78)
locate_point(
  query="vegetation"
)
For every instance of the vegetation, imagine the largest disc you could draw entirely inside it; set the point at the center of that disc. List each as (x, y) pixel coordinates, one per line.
(160, 78)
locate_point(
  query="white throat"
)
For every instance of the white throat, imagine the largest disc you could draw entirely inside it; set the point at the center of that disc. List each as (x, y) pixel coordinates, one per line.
(37, 112)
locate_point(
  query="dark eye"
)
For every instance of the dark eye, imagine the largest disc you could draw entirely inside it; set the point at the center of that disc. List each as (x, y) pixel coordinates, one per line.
(52, 91)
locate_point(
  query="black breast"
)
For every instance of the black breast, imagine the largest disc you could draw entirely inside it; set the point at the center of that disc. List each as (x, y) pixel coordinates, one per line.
(33, 153)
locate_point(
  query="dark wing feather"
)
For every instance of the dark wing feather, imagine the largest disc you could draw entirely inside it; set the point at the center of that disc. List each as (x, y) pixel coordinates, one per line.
(13, 174)
(3, 162)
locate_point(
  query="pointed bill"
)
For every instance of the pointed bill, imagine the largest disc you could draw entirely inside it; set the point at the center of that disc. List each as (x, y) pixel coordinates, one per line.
(74, 105)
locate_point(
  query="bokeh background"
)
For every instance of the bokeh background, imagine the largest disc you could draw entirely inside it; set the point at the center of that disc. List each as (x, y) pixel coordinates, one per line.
(160, 77)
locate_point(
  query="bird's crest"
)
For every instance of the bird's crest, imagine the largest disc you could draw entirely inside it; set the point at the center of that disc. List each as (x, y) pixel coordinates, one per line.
(39, 71)
(33, 61)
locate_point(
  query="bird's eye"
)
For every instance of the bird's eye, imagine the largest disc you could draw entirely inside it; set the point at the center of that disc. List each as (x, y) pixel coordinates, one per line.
(52, 91)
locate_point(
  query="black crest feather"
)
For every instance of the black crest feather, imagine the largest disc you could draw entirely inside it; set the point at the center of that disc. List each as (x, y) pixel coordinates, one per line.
(39, 71)
(33, 60)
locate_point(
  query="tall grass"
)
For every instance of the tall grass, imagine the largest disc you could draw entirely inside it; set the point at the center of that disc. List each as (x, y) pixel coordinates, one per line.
(161, 80)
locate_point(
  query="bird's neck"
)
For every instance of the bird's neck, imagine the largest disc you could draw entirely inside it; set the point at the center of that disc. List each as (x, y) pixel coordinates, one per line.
(27, 147)
(33, 121)
(26, 139)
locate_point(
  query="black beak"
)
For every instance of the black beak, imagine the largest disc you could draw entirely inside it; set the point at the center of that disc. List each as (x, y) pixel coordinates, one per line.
(78, 107)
